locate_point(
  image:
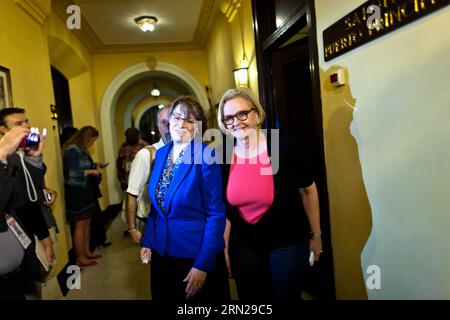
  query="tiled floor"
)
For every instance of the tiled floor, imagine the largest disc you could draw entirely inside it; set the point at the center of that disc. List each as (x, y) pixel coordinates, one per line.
(119, 275)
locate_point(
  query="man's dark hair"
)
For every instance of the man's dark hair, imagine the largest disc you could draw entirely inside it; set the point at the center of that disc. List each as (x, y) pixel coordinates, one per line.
(132, 136)
(7, 112)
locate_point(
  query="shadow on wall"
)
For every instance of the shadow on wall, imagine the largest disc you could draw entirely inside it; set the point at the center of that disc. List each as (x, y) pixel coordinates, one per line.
(350, 212)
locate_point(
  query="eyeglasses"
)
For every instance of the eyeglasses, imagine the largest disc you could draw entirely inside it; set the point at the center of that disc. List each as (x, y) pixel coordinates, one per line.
(178, 118)
(241, 115)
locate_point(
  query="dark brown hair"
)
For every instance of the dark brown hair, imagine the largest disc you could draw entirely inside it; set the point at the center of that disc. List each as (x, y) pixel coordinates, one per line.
(189, 105)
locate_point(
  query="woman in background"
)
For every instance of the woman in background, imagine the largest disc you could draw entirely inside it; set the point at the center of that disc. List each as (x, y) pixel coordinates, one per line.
(81, 189)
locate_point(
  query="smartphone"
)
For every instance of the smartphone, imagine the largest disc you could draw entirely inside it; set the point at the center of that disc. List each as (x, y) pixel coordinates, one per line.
(47, 196)
(146, 257)
(311, 258)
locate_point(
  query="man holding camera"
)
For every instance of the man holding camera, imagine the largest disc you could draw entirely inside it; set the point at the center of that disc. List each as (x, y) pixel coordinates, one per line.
(21, 193)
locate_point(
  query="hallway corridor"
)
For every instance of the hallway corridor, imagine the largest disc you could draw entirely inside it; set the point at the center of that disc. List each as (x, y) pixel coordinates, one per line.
(119, 275)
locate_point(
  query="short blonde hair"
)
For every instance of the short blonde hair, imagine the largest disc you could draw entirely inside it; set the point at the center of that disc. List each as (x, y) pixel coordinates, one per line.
(248, 96)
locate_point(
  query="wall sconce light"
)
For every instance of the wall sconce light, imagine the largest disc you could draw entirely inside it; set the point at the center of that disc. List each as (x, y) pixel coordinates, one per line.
(146, 23)
(54, 112)
(241, 73)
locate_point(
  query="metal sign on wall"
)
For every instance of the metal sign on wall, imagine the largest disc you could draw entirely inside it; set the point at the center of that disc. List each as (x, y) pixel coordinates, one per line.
(373, 19)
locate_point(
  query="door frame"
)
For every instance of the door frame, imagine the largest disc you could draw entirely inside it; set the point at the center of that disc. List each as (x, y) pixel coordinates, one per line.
(269, 38)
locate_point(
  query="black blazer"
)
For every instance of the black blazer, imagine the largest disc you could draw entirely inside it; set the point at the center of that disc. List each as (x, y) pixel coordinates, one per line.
(14, 197)
(27, 214)
(285, 223)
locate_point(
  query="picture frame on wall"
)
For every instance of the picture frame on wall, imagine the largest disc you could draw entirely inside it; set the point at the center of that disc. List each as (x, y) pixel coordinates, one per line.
(5, 88)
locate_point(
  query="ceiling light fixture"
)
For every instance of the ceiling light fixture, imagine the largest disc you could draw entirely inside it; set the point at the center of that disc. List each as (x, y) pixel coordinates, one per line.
(155, 91)
(146, 23)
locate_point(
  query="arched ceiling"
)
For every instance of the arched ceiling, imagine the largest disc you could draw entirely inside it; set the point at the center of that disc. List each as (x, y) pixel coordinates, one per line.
(169, 85)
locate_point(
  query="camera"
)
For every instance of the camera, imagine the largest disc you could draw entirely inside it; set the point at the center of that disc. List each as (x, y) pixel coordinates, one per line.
(30, 141)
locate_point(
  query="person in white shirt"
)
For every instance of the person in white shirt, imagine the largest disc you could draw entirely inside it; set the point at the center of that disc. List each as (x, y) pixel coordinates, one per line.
(139, 174)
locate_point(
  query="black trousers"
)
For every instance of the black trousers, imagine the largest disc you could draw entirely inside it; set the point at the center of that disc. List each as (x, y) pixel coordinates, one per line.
(98, 228)
(12, 286)
(167, 274)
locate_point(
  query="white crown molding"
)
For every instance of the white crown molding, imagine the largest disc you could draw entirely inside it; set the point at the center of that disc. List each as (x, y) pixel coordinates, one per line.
(32, 10)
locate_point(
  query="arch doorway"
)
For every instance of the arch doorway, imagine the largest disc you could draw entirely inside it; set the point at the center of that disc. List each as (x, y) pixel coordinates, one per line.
(117, 87)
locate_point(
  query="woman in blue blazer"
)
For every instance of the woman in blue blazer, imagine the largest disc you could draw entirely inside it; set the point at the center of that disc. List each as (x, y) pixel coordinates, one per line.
(185, 230)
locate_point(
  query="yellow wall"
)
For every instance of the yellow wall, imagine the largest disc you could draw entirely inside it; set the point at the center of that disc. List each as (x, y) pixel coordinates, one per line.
(220, 58)
(387, 161)
(243, 35)
(225, 50)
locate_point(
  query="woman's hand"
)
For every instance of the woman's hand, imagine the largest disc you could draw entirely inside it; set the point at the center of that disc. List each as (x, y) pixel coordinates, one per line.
(136, 235)
(315, 245)
(146, 255)
(100, 165)
(195, 281)
(94, 172)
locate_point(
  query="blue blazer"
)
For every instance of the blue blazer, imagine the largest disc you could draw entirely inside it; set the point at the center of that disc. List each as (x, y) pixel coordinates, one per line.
(194, 223)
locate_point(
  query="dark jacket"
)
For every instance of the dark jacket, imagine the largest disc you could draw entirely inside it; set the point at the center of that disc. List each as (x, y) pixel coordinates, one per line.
(14, 197)
(14, 201)
(285, 223)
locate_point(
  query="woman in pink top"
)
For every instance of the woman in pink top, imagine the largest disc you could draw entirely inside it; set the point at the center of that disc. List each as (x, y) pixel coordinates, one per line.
(272, 204)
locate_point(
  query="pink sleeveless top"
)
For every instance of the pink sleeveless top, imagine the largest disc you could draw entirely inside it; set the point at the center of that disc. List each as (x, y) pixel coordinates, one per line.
(249, 190)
